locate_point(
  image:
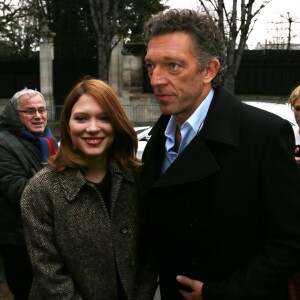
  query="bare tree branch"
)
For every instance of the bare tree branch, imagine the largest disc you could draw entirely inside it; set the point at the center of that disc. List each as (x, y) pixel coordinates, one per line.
(236, 25)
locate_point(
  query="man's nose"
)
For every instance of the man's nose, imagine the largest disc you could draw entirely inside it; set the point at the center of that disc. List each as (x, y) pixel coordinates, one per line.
(37, 114)
(157, 77)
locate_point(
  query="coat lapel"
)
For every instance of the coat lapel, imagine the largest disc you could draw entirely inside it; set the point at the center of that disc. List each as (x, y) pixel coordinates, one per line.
(194, 163)
(72, 180)
(118, 188)
(222, 123)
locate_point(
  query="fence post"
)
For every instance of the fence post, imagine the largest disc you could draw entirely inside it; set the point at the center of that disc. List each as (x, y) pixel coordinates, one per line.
(46, 68)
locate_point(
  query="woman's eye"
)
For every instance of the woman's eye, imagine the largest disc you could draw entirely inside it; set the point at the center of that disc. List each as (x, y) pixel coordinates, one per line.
(104, 118)
(80, 118)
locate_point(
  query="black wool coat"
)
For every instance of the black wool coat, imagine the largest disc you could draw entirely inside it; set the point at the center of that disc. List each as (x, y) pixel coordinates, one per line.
(227, 211)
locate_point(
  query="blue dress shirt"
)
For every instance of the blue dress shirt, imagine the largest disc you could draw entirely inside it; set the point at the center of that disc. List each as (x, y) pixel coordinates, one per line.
(188, 131)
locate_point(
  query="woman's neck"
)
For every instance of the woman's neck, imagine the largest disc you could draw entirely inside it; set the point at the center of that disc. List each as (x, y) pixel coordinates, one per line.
(96, 170)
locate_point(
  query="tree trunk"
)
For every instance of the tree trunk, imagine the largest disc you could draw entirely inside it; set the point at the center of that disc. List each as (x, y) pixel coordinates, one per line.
(229, 83)
(104, 31)
(104, 55)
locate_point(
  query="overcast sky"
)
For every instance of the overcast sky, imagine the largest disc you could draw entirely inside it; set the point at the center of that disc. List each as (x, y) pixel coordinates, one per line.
(265, 28)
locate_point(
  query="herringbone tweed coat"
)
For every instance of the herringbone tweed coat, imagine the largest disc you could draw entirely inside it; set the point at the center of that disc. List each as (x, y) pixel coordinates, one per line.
(79, 250)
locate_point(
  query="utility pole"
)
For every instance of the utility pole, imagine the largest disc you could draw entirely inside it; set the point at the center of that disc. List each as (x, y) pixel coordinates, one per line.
(290, 20)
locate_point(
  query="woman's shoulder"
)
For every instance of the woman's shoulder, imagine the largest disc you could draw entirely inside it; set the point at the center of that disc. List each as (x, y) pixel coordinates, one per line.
(45, 172)
(49, 182)
(48, 174)
(44, 177)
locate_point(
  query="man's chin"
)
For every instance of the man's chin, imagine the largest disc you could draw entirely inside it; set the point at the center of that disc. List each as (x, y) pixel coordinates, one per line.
(37, 132)
(165, 110)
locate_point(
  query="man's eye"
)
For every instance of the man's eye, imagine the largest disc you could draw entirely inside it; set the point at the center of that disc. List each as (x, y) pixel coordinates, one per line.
(149, 67)
(174, 66)
(42, 110)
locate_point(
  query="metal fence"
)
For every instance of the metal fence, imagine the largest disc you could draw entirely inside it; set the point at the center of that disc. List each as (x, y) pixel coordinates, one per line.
(268, 72)
(138, 114)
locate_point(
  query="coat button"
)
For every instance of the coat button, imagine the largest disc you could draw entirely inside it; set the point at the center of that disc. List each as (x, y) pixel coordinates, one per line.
(132, 263)
(194, 263)
(194, 222)
(124, 230)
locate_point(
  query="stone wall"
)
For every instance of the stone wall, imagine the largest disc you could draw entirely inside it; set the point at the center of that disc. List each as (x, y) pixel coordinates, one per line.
(2, 103)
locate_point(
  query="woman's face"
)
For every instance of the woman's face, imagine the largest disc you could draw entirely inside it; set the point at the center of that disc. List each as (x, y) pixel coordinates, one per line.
(90, 129)
(296, 110)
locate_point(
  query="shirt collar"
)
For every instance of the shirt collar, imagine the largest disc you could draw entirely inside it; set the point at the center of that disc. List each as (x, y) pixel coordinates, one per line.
(197, 118)
(195, 121)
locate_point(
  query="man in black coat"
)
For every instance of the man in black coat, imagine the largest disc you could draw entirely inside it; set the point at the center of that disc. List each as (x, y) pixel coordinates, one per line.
(222, 184)
(25, 145)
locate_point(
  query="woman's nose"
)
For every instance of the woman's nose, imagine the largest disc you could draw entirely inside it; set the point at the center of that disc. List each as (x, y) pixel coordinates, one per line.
(93, 126)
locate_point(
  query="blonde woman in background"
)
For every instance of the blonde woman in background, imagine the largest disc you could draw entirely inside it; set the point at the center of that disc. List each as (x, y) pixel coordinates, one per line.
(294, 102)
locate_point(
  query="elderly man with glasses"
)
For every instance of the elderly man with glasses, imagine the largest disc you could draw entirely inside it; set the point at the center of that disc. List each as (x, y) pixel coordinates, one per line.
(25, 145)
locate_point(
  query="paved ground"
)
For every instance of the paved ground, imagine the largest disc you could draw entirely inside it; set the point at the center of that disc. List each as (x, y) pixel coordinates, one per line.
(4, 291)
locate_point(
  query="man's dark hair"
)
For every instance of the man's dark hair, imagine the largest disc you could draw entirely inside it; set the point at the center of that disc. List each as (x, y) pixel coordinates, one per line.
(208, 40)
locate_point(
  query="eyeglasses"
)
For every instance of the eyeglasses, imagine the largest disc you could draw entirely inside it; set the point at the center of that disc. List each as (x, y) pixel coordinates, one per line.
(296, 108)
(32, 111)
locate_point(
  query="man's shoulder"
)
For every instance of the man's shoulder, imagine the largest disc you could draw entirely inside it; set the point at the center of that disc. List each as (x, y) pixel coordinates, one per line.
(260, 115)
(255, 114)
(5, 133)
(8, 139)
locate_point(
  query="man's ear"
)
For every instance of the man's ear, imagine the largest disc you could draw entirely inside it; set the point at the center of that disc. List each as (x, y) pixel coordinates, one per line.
(211, 70)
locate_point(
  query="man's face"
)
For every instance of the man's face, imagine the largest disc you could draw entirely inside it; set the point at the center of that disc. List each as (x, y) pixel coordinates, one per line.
(173, 70)
(36, 123)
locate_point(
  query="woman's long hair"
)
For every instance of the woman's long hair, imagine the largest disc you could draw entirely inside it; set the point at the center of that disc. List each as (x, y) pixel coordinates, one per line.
(124, 147)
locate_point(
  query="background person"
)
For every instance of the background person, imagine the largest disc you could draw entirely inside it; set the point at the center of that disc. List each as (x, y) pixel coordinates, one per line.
(224, 190)
(25, 145)
(294, 102)
(82, 214)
